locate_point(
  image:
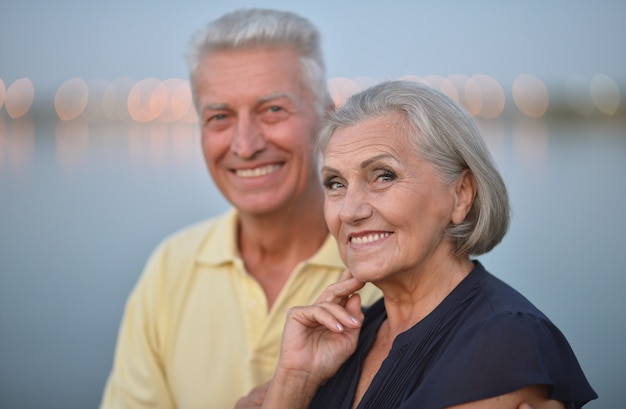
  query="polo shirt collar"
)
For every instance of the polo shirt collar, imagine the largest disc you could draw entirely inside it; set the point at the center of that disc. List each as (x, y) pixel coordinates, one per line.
(222, 246)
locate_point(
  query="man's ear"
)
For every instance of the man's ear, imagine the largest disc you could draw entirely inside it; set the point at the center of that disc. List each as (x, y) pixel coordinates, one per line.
(465, 193)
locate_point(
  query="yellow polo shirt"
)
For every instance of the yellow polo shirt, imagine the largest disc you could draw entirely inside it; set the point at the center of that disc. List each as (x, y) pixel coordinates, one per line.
(196, 332)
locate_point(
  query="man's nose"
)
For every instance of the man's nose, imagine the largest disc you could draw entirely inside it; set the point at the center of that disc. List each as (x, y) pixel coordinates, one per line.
(248, 139)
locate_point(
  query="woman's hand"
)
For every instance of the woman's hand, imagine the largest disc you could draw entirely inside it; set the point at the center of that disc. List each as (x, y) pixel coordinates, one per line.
(317, 339)
(320, 337)
(254, 399)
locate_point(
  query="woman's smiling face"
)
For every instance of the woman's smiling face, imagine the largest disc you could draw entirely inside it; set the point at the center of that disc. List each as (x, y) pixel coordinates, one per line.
(386, 206)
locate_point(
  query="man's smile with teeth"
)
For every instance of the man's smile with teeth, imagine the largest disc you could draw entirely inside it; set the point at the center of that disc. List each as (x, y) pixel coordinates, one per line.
(257, 172)
(368, 238)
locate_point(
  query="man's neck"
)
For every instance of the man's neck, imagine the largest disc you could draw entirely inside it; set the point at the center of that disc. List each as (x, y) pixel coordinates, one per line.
(272, 245)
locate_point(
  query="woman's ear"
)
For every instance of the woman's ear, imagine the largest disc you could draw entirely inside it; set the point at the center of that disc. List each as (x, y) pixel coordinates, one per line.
(465, 193)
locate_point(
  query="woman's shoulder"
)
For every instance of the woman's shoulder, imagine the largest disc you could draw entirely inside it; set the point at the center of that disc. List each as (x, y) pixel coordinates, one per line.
(501, 342)
(499, 299)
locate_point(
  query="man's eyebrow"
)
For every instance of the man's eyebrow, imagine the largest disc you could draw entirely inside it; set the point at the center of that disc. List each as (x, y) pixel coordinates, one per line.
(214, 107)
(274, 96)
(218, 106)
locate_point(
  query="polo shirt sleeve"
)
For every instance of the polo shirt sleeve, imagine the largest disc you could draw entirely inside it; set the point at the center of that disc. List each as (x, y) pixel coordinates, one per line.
(504, 353)
(137, 380)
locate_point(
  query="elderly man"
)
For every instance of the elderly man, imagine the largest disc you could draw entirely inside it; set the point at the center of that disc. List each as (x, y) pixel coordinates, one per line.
(202, 327)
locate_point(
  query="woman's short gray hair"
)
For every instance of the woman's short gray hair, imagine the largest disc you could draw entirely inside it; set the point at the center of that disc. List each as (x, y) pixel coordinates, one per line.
(446, 136)
(265, 28)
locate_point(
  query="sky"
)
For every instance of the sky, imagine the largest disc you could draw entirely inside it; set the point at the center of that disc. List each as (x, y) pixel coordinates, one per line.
(53, 41)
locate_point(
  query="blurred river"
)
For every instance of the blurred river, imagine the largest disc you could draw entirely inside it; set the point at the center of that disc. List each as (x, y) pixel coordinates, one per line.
(82, 205)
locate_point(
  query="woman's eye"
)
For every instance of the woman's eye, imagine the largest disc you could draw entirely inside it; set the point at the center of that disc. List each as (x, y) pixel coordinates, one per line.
(387, 176)
(333, 185)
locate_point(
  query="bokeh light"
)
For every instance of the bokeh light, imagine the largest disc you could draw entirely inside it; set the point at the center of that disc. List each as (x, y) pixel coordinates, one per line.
(71, 99)
(191, 117)
(170, 101)
(605, 94)
(492, 99)
(459, 82)
(449, 88)
(530, 95)
(19, 97)
(433, 80)
(178, 100)
(94, 108)
(473, 97)
(147, 99)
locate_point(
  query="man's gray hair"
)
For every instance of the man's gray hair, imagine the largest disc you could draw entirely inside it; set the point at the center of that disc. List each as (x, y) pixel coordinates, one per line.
(265, 29)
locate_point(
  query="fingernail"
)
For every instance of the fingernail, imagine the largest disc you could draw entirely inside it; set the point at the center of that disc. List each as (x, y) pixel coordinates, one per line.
(339, 327)
(356, 321)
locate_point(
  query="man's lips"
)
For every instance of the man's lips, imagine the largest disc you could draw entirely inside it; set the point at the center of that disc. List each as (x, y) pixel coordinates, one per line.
(258, 171)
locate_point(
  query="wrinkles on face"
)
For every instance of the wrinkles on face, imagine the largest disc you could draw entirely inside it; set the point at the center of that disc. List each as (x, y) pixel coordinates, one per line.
(258, 122)
(387, 206)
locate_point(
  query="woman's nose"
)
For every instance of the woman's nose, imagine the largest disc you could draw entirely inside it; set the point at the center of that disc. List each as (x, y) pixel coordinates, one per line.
(355, 206)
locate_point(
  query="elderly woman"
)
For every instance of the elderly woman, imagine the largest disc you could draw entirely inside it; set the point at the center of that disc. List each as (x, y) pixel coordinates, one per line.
(411, 194)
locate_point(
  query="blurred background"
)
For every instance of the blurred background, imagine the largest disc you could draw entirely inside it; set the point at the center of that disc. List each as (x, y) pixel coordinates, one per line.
(99, 160)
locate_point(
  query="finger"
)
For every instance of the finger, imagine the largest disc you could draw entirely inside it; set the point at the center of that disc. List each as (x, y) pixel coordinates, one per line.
(340, 291)
(259, 392)
(354, 307)
(329, 315)
(254, 399)
(347, 274)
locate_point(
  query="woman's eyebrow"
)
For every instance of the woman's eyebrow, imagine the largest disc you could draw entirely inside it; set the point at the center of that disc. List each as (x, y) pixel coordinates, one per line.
(376, 158)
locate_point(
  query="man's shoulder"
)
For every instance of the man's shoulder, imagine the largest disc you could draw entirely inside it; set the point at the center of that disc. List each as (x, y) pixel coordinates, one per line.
(191, 236)
(186, 244)
(174, 257)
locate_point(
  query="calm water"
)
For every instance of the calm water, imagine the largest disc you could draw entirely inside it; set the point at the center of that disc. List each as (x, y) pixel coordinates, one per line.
(82, 206)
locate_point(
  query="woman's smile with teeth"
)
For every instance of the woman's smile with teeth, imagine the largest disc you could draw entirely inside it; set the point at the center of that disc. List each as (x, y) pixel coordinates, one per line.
(368, 238)
(257, 172)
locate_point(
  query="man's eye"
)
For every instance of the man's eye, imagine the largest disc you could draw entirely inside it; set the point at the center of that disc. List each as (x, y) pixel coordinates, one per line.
(217, 122)
(212, 118)
(275, 108)
(216, 117)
